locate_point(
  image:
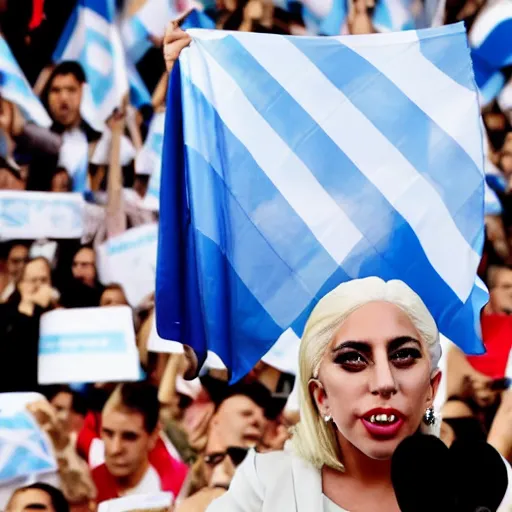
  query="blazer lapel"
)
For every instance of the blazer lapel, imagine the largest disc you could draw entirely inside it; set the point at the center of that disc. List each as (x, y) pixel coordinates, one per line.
(307, 482)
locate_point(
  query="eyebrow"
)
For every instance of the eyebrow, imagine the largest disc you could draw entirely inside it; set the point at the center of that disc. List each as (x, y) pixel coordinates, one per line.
(363, 346)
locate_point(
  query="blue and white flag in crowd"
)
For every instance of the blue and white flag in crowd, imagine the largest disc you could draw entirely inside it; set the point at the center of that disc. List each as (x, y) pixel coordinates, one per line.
(92, 38)
(15, 88)
(491, 41)
(281, 179)
(24, 449)
(149, 21)
(149, 160)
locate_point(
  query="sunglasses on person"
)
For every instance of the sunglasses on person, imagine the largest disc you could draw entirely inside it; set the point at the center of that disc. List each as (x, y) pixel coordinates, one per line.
(235, 453)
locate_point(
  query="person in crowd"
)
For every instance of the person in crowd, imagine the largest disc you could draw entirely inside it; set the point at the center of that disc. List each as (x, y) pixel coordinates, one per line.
(61, 181)
(113, 295)
(17, 257)
(62, 97)
(369, 374)
(84, 289)
(70, 408)
(10, 177)
(499, 282)
(19, 326)
(38, 496)
(130, 432)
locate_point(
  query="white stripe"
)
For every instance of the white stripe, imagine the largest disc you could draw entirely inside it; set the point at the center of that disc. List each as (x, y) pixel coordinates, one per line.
(425, 94)
(488, 19)
(329, 224)
(381, 162)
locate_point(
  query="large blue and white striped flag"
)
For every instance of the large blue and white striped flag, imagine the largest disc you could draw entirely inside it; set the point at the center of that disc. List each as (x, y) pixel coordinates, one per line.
(292, 164)
(491, 41)
(92, 38)
(15, 88)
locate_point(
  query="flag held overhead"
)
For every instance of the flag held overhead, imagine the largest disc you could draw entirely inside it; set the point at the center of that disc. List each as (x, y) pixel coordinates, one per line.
(281, 179)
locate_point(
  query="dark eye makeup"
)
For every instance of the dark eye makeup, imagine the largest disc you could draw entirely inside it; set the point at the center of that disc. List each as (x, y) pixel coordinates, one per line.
(353, 360)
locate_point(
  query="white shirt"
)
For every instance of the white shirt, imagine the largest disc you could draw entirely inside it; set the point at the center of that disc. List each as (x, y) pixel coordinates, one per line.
(149, 484)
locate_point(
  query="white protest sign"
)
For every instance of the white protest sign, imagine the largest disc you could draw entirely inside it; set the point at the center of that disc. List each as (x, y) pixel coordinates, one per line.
(88, 345)
(284, 354)
(158, 500)
(130, 260)
(16, 402)
(32, 215)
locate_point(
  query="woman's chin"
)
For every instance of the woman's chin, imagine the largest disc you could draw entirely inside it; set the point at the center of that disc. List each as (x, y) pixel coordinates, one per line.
(381, 449)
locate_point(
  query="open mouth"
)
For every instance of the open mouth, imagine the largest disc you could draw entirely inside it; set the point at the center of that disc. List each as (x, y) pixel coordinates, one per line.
(383, 425)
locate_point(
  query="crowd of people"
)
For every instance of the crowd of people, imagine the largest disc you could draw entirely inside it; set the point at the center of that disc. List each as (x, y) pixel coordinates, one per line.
(165, 432)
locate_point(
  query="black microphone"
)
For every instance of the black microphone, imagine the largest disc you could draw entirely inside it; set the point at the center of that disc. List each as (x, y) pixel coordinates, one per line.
(420, 473)
(479, 476)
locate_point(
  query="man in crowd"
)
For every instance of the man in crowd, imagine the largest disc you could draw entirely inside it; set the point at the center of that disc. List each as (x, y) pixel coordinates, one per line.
(84, 290)
(16, 259)
(130, 432)
(499, 282)
(39, 496)
(62, 97)
(113, 295)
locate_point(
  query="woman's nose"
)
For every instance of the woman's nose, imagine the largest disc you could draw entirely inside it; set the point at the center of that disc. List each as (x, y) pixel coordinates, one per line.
(383, 381)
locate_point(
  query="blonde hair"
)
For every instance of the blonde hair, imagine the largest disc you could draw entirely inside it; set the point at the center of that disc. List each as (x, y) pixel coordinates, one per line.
(314, 439)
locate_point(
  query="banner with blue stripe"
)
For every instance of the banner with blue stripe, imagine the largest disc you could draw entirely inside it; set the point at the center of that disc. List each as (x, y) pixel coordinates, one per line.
(280, 179)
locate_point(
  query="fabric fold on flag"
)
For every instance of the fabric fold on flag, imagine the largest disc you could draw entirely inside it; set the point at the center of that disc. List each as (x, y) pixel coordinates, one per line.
(280, 180)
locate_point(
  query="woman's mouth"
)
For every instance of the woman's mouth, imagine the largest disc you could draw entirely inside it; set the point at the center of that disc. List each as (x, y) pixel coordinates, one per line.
(383, 424)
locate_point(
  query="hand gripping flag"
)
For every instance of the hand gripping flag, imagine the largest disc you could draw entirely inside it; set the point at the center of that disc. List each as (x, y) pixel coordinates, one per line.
(292, 164)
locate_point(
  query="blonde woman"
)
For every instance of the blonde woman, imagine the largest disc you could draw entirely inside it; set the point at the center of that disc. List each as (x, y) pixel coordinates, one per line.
(368, 379)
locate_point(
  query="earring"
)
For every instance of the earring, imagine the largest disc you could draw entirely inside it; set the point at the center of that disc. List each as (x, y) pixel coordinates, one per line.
(327, 418)
(429, 417)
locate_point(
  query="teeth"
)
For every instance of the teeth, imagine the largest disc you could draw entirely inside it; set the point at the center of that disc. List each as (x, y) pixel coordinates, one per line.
(382, 418)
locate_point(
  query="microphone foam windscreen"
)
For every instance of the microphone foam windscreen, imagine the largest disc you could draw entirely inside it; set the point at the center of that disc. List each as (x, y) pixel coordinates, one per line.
(479, 476)
(420, 475)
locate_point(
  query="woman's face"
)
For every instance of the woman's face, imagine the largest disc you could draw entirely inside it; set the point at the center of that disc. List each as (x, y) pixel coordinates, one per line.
(375, 380)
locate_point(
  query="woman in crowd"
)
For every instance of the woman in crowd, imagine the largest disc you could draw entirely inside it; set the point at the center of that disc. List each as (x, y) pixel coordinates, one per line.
(369, 376)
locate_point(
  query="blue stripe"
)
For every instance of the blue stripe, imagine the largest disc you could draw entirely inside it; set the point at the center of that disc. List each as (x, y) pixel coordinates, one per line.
(82, 343)
(350, 188)
(284, 115)
(400, 120)
(496, 48)
(105, 8)
(448, 55)
(179, 310)
(252, 212)
(239, 329)
(67, 34)
(140, 36)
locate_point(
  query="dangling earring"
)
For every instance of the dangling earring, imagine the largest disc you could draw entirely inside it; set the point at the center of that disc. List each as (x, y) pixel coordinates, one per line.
(429, 417)
(327, 418)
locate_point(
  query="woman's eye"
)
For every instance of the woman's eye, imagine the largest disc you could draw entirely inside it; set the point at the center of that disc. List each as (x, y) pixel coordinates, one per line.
(406, 356)
(351, 361)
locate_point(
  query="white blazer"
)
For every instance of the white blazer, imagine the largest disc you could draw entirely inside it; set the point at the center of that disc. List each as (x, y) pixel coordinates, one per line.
(282, 482)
